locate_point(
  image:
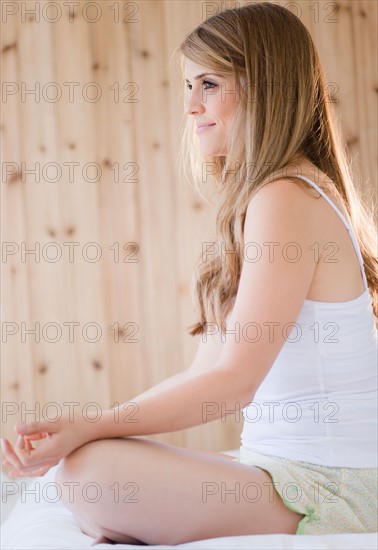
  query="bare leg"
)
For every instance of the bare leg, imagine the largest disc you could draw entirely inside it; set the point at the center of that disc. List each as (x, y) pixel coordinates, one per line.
(171, 495)
(103, 540)
(99, 534)
(87, 529)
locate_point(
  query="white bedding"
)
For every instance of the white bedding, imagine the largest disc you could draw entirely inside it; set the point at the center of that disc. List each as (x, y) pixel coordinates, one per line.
(34, 521)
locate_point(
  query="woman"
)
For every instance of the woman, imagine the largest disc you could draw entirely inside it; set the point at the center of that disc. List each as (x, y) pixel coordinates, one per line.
(299, 295)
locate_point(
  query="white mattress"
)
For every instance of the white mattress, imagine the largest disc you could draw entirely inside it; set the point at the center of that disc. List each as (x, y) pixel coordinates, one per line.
(34, 521)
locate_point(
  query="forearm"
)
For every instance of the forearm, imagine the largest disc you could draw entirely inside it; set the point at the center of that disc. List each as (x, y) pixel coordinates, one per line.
(164, 384)
(188, 402)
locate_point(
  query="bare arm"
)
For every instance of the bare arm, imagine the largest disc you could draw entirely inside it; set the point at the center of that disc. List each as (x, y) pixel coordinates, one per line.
(164, 385)
(188, 402)
(270, 296)
(126, 420)
(208, 352)
(279, 213)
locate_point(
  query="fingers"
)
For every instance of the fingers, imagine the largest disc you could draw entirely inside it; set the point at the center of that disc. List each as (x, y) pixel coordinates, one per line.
(35, 437)
(28, 445)
(12, 459)
(32, 428)
(40, 470)
(21, 445)
(29, 472)
(10, 455)
(21, 459)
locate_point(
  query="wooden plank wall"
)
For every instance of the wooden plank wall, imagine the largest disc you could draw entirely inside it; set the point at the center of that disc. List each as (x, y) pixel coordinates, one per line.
(118, 232)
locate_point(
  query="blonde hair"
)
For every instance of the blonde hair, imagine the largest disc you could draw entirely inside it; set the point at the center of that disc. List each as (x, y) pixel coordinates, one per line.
(265, 46)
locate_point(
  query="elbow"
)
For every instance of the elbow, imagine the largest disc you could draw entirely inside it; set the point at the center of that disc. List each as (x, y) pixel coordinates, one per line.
(242, 386)
(247, 394)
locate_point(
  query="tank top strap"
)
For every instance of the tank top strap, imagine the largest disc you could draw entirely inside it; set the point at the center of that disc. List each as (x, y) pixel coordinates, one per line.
(347, 225)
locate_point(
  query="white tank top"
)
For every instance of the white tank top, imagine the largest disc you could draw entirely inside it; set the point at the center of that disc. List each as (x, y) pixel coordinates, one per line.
(318, 402)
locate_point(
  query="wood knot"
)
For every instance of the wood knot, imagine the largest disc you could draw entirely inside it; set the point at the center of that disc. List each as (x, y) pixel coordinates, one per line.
(9, 47)
(15, 177)
(352, 141)
(197, 205)
(51, 232)
(70, 230)
(183, 288)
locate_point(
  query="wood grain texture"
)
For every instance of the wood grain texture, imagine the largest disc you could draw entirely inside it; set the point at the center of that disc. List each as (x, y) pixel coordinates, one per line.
(113, 308)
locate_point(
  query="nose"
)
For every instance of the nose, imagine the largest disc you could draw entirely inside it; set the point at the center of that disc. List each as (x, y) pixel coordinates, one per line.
(193, 103)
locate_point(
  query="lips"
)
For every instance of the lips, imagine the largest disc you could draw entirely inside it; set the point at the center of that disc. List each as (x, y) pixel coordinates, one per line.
(203, 127)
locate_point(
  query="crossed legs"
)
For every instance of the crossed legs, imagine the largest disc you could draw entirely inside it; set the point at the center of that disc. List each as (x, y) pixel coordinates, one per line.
(142, 491)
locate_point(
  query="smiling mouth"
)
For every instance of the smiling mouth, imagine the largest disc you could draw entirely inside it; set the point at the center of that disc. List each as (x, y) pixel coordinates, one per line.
(203, 128)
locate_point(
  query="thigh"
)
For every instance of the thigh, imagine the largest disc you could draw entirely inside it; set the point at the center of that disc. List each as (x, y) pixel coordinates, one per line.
(162, 494)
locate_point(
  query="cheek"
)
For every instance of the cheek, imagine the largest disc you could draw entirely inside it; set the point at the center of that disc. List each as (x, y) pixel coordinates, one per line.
(219, 106)
(228, 108)
(222, 112)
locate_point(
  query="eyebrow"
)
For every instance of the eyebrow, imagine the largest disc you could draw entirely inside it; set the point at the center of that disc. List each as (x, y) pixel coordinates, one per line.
(205, 74)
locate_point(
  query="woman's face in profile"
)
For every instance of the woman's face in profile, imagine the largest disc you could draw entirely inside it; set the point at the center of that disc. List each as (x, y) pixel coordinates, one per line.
(212, 99)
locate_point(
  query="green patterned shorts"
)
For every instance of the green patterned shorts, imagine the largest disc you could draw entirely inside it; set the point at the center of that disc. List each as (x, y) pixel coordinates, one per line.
(333, 499)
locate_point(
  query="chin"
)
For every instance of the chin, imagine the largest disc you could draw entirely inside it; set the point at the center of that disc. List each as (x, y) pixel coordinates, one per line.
(211, 152)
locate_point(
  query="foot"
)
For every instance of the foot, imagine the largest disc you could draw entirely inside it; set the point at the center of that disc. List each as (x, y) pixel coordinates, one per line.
(103, 540)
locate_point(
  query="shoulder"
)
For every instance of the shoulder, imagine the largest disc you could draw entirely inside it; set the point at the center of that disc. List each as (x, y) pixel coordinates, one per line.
(282, 190)
(284, 203)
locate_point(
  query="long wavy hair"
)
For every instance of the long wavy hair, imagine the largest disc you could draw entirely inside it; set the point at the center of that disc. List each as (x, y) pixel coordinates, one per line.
(269, 51)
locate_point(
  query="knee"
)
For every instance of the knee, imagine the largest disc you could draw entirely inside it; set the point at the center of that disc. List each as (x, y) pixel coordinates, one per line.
(80, 459)
(74, 472)
(71, 465)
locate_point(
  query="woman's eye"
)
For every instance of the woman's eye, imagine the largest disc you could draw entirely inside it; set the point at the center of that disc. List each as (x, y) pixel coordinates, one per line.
(210, 85)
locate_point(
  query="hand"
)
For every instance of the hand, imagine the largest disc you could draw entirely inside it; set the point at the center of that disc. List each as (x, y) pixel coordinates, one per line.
(60, 438)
